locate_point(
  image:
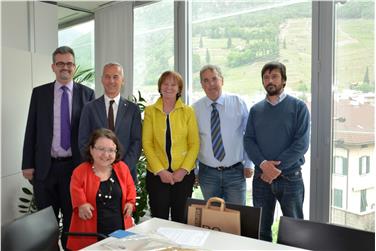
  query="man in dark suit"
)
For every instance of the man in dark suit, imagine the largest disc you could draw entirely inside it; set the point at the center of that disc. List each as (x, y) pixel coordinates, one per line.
(116, 113)
(50, 151)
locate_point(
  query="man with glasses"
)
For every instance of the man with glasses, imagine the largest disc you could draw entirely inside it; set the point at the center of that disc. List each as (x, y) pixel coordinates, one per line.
(50, 151)
(114, 112)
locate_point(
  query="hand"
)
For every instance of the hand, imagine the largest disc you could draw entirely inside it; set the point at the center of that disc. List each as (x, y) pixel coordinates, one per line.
(248, 172)
(85, 211)
(166, 177)
(270, 170)
(179, 174)
(128, 209)
(28, 173)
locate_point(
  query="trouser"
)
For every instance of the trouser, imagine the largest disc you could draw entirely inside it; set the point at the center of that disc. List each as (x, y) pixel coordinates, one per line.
(227, 183)
(287, 189)
(163, 197)
(54, 191)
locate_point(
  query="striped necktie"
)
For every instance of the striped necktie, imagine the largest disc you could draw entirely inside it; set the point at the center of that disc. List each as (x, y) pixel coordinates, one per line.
(217, 143)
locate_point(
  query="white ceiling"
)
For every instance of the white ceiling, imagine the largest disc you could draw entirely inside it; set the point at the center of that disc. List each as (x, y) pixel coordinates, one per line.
(71, 11)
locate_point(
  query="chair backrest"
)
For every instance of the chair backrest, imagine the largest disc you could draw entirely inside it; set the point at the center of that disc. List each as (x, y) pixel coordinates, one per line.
(322, 236)
(36, 231)
(250, 217)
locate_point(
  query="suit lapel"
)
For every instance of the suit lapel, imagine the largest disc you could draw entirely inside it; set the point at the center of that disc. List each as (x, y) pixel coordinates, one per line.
(121, 113)
(50, 105)
(100, 110)
(75, 104)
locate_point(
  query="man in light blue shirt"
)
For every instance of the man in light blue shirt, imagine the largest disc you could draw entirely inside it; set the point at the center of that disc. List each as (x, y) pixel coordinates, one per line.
(223, 164)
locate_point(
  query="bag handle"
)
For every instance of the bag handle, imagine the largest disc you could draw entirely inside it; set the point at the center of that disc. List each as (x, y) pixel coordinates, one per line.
(216, 199)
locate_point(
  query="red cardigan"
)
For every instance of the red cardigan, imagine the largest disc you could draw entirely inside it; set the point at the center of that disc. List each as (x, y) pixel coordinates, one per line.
(83, 188)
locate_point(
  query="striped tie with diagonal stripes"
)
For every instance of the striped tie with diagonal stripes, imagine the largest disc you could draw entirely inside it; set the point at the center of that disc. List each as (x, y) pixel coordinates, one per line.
(217, 143)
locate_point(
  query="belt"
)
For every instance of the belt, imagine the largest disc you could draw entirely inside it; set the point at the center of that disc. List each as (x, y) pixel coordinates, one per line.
(222, 168)
(61, 159)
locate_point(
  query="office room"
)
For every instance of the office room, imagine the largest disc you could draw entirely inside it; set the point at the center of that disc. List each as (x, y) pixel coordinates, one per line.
(326, 46)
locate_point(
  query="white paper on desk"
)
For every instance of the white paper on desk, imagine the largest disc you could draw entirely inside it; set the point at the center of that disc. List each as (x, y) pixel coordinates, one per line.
(186, 237)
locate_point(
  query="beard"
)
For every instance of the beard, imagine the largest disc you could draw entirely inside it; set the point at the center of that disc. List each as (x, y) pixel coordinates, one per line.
(65, 75)
(273, 90)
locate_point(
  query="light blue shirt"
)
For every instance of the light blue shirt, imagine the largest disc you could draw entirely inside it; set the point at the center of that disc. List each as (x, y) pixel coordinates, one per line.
(233, 114)
(281, 97)
(56, 149)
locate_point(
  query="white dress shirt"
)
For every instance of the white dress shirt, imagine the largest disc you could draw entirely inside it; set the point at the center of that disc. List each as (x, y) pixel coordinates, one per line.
(233, 114)
(115, 105)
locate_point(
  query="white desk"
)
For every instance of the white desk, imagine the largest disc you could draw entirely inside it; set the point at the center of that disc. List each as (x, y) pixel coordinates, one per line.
(215, 241)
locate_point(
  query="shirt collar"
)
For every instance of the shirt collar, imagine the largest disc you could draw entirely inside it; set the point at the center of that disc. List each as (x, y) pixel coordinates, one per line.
(280, 98)
(58, 85)
(116, 99)
(220, 100)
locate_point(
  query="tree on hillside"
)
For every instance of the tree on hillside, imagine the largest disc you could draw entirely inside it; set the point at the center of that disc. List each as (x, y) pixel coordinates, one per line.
(229, 43)
(366, 77)
(201, 42)
(207, 56)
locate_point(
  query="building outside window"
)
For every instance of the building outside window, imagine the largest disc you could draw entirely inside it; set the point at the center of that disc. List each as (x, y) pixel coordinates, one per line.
(354, 112)
(364, 167)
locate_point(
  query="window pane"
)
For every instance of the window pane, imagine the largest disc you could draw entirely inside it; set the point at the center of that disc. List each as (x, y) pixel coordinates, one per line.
(240, 37)
(353, 112)
(81, 39)
(337, 202)
(153, 46)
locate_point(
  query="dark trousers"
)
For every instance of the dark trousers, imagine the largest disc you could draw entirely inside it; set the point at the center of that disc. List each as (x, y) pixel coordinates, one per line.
(288, 190)
(163, 197)
(54, 191)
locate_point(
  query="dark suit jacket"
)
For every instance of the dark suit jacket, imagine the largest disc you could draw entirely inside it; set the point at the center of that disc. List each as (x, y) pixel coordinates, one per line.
(127, 128)
(39, 128)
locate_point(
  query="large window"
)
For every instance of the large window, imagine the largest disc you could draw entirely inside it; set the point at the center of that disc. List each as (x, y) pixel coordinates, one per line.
(153, 46)
(80, 38)
(353, 111)
(240, 37)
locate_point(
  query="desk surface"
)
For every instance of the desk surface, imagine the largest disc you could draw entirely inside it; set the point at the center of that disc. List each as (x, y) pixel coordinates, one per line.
(215, 241)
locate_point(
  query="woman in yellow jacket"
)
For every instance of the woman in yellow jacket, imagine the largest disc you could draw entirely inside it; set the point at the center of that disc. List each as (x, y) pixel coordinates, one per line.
(170, 139)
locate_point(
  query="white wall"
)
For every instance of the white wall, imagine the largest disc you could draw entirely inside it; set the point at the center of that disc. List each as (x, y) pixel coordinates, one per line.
(29, 36)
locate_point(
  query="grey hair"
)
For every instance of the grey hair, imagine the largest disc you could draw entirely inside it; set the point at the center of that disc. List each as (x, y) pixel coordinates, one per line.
(114, 64)
(212, 68)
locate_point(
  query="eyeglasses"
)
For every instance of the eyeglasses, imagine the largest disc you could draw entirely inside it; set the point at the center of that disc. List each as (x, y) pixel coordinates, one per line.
(105, 150)
(62, 64)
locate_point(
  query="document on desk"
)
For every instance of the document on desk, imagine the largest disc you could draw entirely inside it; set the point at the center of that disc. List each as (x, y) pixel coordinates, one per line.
(186, 237)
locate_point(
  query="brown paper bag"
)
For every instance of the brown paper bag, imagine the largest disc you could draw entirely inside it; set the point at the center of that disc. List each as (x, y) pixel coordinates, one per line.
(215, 218)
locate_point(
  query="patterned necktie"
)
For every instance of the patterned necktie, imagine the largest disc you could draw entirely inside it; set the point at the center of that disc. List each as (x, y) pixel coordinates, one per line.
(65, 130)
(217, 143)
(111, 124)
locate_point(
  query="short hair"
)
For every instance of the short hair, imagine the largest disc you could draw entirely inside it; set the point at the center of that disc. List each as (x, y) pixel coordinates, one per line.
(114, 64)
(274, 65)
(212, 68)
(103, 133)
(62, 50)
(176, 76)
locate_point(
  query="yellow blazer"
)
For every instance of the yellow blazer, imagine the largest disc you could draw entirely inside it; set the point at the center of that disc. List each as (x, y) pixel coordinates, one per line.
(185, 142)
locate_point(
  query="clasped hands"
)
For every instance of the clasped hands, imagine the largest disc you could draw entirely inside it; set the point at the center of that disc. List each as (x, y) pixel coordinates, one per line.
(172, 177)
(85, 211)
(270, 171)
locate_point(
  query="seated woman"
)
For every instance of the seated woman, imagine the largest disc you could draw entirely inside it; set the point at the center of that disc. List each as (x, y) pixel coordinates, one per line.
(171, 143)
(102, 191)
